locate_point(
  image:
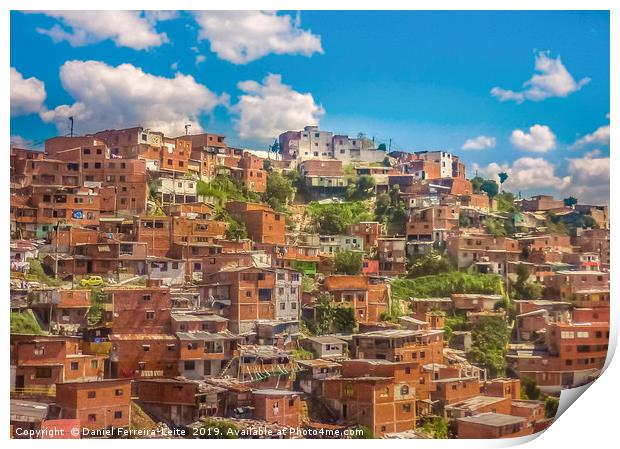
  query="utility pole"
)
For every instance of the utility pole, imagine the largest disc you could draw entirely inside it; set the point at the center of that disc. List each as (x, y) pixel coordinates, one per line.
(71, 120)
(56, 250)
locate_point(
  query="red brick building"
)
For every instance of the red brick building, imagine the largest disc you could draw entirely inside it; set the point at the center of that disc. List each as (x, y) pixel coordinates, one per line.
(100, 404)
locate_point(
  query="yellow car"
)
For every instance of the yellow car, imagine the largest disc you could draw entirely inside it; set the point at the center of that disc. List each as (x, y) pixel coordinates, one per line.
(92, 281)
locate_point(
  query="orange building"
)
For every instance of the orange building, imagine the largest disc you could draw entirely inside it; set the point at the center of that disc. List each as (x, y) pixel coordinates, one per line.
(277, 406)
(100, 404)
(264, 225)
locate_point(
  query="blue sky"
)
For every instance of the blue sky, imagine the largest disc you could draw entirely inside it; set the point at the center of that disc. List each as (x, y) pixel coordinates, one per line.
(422, 79)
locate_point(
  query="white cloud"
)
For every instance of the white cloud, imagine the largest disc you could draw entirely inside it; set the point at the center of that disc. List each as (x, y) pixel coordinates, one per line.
(540, 139)
(525, 173)
(27, 94)
(244, 36)
(268, 109)
(600, 137)
(21, 142)
(590, 177)
(551, 79)
(123, 96)
(479, 143)
(200, 59)
(126, 28)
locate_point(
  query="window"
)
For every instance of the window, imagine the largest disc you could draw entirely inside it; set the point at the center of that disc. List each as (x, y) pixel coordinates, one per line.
(171, 347)
(282, 306)
(75, 366)
(189, 365)
(118, 415)
(150, 315)
(92, 418)
(407, 408)
(43, 373)
(94, 364)
(293, 306)
(86, 150)
(146, 348)
(404, 390)
(146, 297)
(92, 394)
(118, 392)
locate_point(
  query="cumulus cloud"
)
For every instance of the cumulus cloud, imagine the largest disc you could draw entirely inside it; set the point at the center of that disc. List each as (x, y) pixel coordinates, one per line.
(268, 109)
(244, 36)
(526, 173)
(590, 177)
(200, 59)
(479, 143)
(27, 94)
(551, 79)
(600, 137)
(21, 142)
(124, 96)
(540, 139)
(131, 29)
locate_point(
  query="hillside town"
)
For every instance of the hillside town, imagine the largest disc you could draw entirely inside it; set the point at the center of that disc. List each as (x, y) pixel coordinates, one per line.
(331, 287)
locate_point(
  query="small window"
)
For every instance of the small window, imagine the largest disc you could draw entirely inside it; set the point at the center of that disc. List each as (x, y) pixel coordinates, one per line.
(146, 297)
(150, 315)
(118, 392)
(92, 418)
(118, 415)
(75, 366)
(92, 394)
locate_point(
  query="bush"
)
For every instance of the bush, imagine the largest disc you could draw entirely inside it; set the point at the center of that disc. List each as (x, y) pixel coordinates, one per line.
(437, 428)
(25, 323)
(331, 219)
(489, 342)
(445, 284)
(551, 407)
(348, 262)
(366, 433)
(429, 264)
(223, 430)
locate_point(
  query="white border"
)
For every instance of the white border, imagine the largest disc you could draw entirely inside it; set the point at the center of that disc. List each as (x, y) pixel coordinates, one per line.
(590, 422)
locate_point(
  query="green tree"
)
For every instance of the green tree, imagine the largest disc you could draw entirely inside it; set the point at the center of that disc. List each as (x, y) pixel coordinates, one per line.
(529, 389)
(503, 176)
(489, 342)
(436, 428)
(551, 407)
(506, 202)
(348, 262)
(344, 320)
(279, 191)
(236, 230)
(476, 184)
(495, 226)
(522, 288)
(361, 188)
(570, 201)
(216, 429)
(489, 187)
(428, 264)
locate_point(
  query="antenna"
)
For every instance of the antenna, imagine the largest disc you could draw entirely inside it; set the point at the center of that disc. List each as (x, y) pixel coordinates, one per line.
(187, 129)
(71, 120)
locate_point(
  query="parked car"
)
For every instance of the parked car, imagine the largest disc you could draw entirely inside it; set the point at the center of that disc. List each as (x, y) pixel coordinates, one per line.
(92, 281)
